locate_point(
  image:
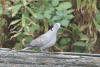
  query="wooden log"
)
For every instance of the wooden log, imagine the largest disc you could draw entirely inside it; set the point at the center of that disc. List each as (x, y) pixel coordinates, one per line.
(29, 58)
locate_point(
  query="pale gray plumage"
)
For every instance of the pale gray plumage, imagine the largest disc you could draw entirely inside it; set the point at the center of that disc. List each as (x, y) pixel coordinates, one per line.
(46, 40)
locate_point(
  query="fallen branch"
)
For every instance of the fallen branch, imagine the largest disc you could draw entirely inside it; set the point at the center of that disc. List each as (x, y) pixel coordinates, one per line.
(29, 58)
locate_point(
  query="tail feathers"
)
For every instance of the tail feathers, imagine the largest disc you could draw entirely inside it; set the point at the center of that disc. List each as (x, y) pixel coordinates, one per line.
(27, 45)
(26, 48)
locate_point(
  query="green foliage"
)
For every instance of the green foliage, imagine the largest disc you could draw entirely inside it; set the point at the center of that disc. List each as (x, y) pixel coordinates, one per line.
(15, 9)
(84, 37)
(80, 44)
(56, 13)
(97, 21)
(2, 22)
(65, 41)
(55, 2)
(29, 19)
(28, 23)
(64, 6)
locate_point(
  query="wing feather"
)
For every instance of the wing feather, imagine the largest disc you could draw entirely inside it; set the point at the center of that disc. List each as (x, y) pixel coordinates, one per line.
(40, 41)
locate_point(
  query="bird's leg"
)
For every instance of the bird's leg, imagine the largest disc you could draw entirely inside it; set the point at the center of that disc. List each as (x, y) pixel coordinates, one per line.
(44, 50)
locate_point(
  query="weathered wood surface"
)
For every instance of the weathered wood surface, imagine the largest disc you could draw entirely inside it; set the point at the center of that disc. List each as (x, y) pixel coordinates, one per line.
(29, 58)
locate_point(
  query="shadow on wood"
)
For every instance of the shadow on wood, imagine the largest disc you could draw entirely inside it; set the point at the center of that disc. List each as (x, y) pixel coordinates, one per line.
(14, 58)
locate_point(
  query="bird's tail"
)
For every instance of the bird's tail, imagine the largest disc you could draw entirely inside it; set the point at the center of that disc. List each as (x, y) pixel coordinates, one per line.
(27, 45)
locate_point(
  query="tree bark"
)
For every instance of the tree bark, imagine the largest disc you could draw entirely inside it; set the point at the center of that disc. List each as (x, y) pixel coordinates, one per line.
(29, 58)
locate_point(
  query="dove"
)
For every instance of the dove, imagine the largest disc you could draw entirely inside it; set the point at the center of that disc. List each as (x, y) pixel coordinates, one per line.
(45, 40)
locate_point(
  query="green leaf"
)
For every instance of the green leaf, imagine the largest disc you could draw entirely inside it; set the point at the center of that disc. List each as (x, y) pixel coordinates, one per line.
(84, 37)
(28, 39)
(68, 17)
(98, 27)
(20, 37)
(31, 11)
(51, 9)
(65, 41)
(96, 24)
(47, 14)
(80, 44)
(97, 17)
(61, 13)
(26, 14)
(56, 18)
(33, 28)
(74, 26)
(32, 21)
(15, 35)
(14, 22)
(55, 2)
(51, 22)
(64, 23)
(69, 11)
(15, 9)
(64, 13)
(64, 6)
(25, 29)
(75, 29)
(39, 16)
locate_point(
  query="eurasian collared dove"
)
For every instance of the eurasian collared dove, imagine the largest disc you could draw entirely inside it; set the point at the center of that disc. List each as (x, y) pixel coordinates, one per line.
(44, 41)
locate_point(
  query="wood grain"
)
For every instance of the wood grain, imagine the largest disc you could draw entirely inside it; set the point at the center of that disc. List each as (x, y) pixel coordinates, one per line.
(29, 58)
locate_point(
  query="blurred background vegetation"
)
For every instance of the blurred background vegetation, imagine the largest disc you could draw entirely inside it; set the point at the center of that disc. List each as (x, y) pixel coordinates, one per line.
(21, 21)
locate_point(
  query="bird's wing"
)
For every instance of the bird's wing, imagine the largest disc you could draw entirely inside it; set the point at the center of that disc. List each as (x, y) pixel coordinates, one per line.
(50, 43)
(40, 41)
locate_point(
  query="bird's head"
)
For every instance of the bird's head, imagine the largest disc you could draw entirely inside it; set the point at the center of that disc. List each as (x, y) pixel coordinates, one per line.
(57, 25)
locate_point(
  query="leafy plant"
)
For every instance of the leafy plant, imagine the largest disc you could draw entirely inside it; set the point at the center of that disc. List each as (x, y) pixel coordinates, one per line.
(24, 20)
(30, 21)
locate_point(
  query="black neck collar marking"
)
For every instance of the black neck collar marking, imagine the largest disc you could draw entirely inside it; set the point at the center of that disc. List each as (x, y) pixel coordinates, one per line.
(51, 30)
